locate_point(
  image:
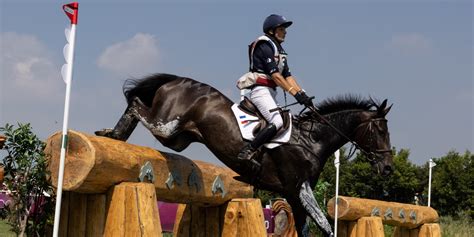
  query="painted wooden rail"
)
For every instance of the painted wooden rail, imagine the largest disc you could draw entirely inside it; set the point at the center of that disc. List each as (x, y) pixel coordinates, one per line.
(360, 217)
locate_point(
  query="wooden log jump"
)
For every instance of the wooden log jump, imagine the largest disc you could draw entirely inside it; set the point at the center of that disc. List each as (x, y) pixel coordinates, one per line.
(365, 217)
(104, 198)
(94, 164)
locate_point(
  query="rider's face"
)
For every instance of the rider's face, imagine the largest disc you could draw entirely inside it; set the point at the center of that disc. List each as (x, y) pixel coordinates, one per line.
(280, 34)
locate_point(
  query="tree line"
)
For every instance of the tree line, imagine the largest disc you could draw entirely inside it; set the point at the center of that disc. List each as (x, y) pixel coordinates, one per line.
(452, 184)
(26, 176)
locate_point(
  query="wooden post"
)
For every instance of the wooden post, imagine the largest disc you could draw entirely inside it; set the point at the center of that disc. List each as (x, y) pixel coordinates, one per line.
(346, 229)
(430, 230)
(238, 218)
(404, 232)
(182, 222)
(77, 215)
(370, 227)
(351, 228)
(244, 218)
(96, 212)
(132, 211)
(63, 223)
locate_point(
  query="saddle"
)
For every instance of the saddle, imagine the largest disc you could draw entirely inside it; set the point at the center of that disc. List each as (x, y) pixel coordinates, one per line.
(247, 106)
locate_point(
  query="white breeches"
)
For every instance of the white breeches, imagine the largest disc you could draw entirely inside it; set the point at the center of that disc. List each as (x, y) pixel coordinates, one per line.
(264, 98)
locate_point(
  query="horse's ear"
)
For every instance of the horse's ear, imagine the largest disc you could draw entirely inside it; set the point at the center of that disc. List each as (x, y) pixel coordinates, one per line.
(386, 110)
(383, 105)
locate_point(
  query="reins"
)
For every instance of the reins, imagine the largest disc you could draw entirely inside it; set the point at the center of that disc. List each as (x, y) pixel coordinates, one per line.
(354, 143)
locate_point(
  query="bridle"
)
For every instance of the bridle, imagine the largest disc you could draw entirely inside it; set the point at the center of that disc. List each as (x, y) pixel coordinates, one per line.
(368, 131)
(373, 156)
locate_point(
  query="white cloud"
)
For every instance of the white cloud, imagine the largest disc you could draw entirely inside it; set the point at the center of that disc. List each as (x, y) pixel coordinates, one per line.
(27, 66)
(136, 56)
(411, 43)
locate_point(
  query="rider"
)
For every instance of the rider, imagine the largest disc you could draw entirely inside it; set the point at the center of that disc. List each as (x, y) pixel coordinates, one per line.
(269, 70)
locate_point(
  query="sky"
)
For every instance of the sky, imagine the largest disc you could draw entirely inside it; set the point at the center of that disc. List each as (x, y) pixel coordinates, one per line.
(417, 54)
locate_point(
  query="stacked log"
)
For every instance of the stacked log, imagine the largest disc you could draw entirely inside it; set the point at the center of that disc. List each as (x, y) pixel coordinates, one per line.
(103, 196)
(94, 164)
(355, 215)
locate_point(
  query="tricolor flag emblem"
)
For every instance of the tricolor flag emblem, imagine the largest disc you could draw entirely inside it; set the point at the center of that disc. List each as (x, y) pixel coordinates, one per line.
(242, 121)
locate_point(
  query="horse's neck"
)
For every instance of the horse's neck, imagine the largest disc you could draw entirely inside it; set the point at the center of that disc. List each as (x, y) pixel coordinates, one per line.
(346, 122)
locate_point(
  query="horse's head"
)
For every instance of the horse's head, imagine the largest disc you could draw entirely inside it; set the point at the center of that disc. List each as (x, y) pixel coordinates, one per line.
(373, 137)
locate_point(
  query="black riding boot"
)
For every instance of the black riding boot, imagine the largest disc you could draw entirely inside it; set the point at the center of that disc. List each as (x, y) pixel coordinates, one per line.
(249, 151)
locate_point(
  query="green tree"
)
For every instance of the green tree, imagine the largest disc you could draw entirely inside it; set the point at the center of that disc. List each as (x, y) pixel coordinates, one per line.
(452, 184)
(402, 185)
(27, 178)
(358, 178)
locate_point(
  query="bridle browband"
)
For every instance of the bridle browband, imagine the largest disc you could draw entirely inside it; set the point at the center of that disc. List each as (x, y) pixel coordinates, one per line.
(372, 156)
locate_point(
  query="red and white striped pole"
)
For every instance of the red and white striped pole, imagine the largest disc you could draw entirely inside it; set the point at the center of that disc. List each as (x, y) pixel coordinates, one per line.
(71, 11)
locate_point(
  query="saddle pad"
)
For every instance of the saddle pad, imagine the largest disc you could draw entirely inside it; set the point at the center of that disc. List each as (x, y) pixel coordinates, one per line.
(248, 122)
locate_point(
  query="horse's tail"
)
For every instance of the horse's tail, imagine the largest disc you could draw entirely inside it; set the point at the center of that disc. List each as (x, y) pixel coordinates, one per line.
(145, 88)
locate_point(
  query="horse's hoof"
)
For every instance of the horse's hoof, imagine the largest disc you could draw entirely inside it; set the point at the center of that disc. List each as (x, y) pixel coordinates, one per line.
(106, 132)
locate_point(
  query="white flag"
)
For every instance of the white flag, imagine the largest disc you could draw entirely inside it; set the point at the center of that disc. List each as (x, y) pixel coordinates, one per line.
(432, 163)
(336, 161)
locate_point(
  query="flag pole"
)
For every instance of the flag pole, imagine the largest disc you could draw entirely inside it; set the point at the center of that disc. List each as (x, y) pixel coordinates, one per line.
(71, 11)
(431, 164)
(336, 163)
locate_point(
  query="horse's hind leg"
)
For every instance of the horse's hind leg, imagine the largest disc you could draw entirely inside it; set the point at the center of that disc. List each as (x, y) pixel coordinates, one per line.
(124, 127)
(312, 208)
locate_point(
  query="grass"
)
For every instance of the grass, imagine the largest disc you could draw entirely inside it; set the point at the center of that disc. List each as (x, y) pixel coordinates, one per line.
(5, 229)
(450, 227)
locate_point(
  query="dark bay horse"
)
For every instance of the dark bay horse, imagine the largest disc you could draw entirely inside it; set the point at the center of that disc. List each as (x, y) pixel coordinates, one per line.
(179, 111)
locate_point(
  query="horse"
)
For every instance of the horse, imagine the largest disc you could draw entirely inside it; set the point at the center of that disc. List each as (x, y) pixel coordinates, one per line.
(179, 111)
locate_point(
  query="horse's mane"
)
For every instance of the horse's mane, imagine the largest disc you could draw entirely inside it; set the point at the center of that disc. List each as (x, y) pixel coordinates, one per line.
(344, 102)
(145, 88)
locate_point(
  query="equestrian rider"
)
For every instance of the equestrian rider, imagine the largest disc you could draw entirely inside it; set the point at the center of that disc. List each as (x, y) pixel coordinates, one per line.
(269, 70)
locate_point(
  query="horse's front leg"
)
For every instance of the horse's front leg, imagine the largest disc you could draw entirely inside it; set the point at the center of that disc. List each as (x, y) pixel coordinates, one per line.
(311, 206)
(299, 214)
(124, 127)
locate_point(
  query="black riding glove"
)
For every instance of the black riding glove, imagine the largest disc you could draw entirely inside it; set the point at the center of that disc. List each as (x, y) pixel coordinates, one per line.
(303, 99)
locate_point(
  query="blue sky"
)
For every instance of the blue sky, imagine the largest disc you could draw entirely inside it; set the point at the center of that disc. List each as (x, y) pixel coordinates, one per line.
(417, 54)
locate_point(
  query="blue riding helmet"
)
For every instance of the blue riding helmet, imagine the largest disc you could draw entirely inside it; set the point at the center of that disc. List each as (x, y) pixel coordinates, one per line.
(273, 21)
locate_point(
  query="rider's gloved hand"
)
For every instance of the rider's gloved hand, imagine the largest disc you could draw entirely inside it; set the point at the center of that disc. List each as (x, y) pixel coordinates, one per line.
(304, 99)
